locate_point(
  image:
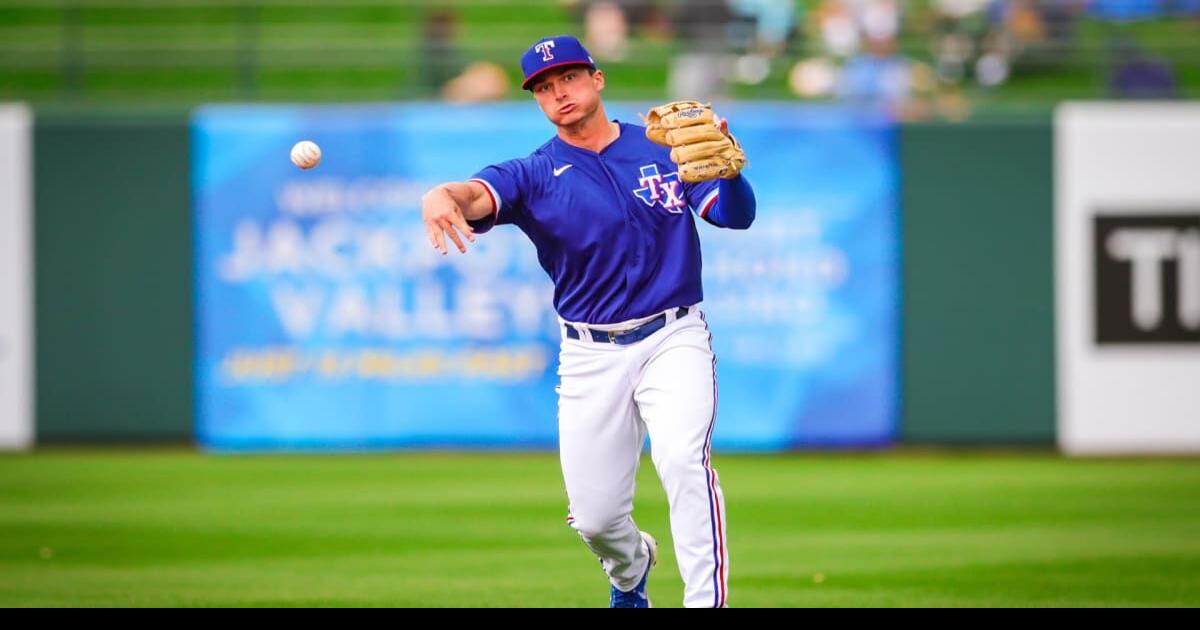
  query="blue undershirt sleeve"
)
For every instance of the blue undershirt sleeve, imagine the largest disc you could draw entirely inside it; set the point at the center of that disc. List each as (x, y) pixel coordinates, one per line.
(733, 206)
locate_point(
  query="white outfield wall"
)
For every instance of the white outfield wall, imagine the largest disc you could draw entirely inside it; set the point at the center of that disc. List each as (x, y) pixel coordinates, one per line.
(1128, 277)
(16, 278)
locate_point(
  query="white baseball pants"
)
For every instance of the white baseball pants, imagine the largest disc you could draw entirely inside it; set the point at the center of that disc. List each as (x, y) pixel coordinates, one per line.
(610, 397)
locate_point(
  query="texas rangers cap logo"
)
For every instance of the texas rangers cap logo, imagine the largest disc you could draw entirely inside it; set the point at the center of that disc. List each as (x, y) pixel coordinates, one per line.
(552, 52)
(545, 48)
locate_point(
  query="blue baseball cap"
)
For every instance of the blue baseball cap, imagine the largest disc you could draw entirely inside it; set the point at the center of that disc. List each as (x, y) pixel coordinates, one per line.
(553, 52)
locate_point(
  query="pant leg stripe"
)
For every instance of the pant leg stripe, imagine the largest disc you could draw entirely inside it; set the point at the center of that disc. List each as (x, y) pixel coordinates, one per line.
(720, 577)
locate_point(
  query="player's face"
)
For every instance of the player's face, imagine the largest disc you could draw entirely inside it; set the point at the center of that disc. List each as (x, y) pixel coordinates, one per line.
(569, 95)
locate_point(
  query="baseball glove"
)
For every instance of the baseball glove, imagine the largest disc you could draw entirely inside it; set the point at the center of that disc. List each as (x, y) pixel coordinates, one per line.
(700, 145)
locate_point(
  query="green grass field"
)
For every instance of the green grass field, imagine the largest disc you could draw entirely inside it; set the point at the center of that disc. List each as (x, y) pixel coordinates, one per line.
(175, 528)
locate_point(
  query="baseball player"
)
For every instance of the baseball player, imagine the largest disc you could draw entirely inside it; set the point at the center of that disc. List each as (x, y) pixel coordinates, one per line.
(612, 212)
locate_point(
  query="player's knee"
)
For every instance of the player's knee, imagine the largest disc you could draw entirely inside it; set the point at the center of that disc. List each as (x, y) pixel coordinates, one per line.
(597, 526)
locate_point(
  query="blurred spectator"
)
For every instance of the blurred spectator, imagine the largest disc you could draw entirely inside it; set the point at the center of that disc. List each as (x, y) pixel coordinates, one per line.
(843, 24)
(987, 39)
(701, 71)
(882, 76)
(443, 71)
(961, 29)
(643, 18)
(1137, 76)
(606, 31)
(879, 19)
(1025, 21)
(838, 28)
(481, 81)
(772, 22)
(760, 32)
(439, 58)
(813, 78)
(1043, 21)
(878, 77)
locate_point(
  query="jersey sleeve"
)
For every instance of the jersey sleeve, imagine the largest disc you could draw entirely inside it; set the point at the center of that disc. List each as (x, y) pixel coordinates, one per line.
(506, 184)
(701, 196)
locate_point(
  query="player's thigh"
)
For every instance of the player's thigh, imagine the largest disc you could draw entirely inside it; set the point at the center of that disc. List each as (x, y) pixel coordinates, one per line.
(595, 387)
(676, 393)
(600, 436)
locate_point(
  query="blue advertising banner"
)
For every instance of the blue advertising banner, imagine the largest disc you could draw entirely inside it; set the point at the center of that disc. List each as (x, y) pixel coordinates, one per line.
(326, 320)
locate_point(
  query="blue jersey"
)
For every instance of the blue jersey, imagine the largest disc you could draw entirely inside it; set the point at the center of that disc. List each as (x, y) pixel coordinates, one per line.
(614, 230)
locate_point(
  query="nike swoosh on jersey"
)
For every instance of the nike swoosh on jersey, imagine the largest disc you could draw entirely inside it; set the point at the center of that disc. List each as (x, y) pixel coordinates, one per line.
(559, 171)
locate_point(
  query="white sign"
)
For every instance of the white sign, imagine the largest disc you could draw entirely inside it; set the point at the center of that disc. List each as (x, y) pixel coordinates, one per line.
(1128, 277)
(16, 281)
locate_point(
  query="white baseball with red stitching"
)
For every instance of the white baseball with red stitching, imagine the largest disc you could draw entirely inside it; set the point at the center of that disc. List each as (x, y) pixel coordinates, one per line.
(306, 154)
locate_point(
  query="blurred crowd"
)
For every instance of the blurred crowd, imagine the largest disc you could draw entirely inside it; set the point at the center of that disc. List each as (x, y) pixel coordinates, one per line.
(916, 57)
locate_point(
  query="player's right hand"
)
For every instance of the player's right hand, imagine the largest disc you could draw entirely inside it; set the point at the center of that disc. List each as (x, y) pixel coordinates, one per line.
(443, 218)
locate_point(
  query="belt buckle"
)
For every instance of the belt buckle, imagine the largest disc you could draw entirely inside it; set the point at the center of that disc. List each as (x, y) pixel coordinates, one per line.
(612, 337)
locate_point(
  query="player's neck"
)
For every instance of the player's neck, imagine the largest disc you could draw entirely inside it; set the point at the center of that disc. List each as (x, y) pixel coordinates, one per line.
(593, 133)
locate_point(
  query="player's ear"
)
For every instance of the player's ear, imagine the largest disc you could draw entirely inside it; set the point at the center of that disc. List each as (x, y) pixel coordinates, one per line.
(598, 80)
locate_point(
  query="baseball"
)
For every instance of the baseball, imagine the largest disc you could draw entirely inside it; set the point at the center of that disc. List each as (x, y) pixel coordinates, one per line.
(306, 154)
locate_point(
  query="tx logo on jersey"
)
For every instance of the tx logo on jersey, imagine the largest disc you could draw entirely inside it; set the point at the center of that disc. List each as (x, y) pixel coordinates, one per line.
(665, 190)
(545, 48)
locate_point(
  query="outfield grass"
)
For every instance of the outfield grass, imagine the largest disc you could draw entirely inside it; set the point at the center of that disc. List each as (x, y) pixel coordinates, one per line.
(161, 528)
